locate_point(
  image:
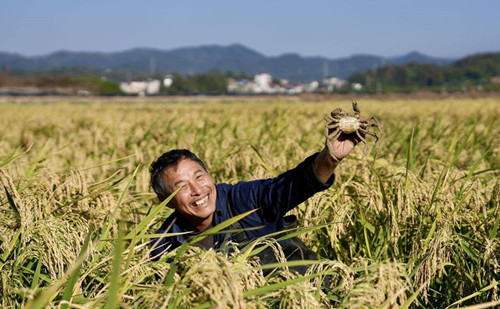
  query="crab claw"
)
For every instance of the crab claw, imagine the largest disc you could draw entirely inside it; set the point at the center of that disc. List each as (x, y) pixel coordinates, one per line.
(355, 106)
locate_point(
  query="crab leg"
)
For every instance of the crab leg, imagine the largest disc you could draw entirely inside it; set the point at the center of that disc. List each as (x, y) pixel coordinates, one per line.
(330, 149)
(361, 137)
(365, 149)
(335, 134)
(329, 139)
(332, 125)
(372, 134)
(333, 117)
(374, 125)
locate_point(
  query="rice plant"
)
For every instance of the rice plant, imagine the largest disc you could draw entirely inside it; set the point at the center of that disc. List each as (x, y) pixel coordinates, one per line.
(413, 225)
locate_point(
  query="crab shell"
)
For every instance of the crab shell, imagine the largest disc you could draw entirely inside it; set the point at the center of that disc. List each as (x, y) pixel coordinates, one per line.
(348, 124)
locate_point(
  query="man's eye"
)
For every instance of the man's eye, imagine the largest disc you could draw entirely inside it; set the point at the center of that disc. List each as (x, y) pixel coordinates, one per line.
(199, 177)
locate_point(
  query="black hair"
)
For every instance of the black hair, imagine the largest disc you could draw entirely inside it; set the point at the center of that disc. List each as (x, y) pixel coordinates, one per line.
(170, 158)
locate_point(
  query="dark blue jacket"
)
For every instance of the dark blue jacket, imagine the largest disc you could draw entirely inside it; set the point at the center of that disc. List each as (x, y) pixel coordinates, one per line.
(273, 197)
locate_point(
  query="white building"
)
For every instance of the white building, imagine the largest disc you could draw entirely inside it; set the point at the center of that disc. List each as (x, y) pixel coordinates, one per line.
(312, 86)
(263, 83)
(356, 86)
(141, 87)
(332, 83)
(167, 81)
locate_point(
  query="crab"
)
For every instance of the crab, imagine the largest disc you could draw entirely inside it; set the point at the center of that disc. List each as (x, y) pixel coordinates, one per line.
(340, 122)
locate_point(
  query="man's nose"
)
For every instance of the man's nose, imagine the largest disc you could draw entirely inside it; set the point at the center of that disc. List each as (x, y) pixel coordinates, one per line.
(196, 189)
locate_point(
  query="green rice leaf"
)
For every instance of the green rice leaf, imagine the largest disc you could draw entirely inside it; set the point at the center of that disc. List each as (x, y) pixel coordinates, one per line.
(142, 227)
(412, 298)
(105, 232)
(46, 296)
(264, 164)
(486, 288)
(276, 286)
(36, 276)
(113, 297)
(68, 291)
(12, 156)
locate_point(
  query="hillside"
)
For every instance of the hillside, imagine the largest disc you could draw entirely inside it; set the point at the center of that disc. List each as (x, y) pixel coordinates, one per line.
(479, 71)
(191, 60)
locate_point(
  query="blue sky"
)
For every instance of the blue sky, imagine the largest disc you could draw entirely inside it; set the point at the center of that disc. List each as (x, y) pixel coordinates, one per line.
(331, 29)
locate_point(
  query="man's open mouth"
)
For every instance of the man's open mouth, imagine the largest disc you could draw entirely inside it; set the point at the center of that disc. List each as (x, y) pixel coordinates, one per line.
(202, 201)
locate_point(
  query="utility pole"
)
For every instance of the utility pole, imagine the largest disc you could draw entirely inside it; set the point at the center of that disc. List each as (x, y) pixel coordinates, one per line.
(326, 69)
(152, 66)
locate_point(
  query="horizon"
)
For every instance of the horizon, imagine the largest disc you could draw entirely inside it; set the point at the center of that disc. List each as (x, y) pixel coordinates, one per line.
(237, 44)
(444, 29)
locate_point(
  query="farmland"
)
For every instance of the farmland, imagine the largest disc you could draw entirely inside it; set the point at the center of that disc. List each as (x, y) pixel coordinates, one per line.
(413, 224)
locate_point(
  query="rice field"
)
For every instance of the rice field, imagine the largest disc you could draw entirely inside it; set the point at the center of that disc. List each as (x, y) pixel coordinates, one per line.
(412, 225)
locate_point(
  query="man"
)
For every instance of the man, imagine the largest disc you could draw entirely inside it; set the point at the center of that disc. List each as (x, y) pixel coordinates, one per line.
(201, 204)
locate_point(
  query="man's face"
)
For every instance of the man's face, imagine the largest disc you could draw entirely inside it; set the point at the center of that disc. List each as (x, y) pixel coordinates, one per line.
(196, 200)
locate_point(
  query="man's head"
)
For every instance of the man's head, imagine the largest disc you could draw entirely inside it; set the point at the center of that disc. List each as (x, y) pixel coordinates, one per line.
(182, 168)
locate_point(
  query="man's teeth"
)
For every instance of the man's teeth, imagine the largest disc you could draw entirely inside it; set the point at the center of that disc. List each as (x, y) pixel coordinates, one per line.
(202, 201)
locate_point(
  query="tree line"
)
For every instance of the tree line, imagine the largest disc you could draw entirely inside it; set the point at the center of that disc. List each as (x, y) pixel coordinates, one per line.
(481, 71)
(474, 71)
(213, 82)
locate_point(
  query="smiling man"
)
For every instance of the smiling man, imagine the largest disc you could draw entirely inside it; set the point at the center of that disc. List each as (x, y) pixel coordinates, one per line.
(201, 204)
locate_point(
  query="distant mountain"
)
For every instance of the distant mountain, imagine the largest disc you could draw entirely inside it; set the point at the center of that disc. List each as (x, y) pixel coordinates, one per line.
(418, 57)
(191, 60)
